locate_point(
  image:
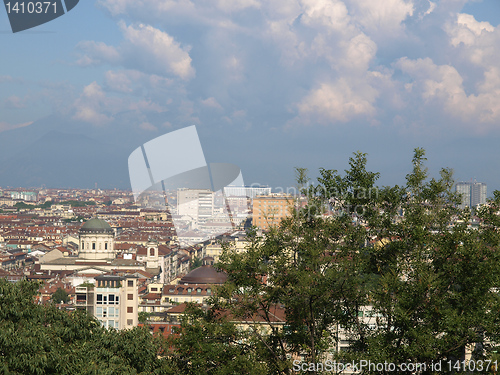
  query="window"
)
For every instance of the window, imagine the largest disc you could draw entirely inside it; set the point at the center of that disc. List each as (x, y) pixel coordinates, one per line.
(99, 312)
(83, 245)
(111, 299)
(105, 246)
(130, 283)
(189, 290)
(129, 322)
(130, 309)
(99, 299)
(105, 299)
(209, 291)
(154, 289)
(93, 245)
(130, 297)
(152, 252)
(198, 291)
(104, 312)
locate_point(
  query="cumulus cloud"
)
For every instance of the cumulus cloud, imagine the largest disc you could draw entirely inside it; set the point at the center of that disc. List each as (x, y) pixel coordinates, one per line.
(97, 107)
(329, 61)
(443, 84)
(466, 30)
(335, 102)
(236, 5)
(382, 15)
(91, 105)
(145, 47)
(331, 14)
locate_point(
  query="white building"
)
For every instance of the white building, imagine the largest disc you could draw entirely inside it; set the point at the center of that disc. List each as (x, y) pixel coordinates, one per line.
(116, 301)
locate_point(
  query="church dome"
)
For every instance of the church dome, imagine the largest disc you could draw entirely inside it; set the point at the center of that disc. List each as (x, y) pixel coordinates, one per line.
(96, 226)
(205, 274)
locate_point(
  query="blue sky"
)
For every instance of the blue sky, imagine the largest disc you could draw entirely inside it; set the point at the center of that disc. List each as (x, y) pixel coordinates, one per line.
(270, 85)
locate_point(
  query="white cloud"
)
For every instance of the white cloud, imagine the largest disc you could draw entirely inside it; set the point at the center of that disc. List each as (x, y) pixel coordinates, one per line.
(118, 7)
(329, 61)
(158, 49)
(360, 51)
(119, 81)
(98, 53)
(340, 101)
(89, 107)
(443, 85)
(236, 5)
(145, 47)
(466, 30)
(331, 14)
(382, 15)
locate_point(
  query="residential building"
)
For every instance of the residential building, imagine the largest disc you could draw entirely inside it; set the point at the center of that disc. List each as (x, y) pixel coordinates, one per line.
(116, 301)
(235, 242)
(269, 210)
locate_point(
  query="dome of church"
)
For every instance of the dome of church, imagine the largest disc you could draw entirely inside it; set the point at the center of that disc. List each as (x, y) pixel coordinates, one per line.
(205, 274)
(96, 225)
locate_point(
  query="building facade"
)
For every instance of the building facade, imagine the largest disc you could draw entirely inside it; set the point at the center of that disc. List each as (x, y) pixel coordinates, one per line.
(198, 204)
(473, 193)
(116, 301)
(96, 240)
(269, 210)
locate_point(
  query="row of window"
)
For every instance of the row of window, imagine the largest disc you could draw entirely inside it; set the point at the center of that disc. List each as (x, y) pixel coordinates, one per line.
(108, 299)
(114, 323)
(111, 299)
(93, 245)
(110, 323)
(107, 312)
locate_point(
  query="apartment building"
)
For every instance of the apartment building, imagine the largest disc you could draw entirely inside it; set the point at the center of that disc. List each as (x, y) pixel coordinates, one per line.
(113, 300)
(269, 210)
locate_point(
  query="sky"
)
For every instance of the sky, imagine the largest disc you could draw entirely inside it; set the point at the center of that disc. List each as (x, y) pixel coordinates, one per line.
(270, 85)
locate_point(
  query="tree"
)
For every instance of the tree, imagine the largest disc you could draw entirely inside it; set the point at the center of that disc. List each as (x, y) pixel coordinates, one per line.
(41, 339)
(210, 344)
(60, 296)
(405, 255)
(195, 262)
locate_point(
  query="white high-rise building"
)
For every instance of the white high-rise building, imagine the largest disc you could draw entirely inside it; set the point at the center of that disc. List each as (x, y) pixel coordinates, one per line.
(473, 193)
(198, 204)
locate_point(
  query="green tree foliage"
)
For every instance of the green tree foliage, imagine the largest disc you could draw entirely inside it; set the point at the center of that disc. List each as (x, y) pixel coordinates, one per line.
(195, 262)
(406, 253)
(60, 296)
(41, 339)
(209, 344)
